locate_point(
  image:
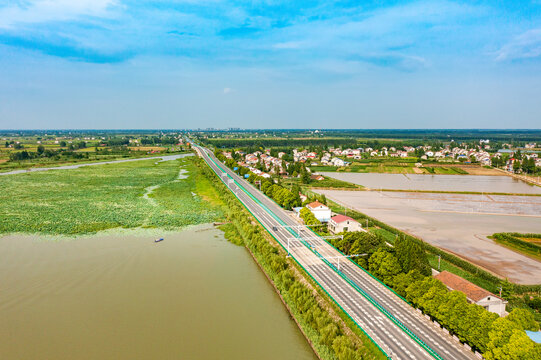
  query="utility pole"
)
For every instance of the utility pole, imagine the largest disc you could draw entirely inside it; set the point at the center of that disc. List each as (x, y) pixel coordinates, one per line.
(439, 262)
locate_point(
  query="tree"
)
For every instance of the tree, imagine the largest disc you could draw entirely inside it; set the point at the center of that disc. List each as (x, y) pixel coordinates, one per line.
(411, 256)
(479, 332)
(402, 281)
(40, 149)
(384, 266)
(517, 347)
(524, 319)
(499, 335)
(344, 348)
(305, 177)
(516, 166)
(507, 289)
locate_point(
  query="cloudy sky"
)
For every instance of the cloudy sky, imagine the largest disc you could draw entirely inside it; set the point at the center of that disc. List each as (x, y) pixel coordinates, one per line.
(270, 64)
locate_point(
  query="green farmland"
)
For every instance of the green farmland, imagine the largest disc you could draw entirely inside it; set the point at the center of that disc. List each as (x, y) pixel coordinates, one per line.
(139, 194)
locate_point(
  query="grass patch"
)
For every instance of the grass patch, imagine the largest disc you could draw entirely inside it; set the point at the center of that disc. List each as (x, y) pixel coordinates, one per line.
(94, 198)
(522, 243)
(446, 265)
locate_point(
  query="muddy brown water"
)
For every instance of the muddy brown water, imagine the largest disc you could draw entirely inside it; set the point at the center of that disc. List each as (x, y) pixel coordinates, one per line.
(192, 296)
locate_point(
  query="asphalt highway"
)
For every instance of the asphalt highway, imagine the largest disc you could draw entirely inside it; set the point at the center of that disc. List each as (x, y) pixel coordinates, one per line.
(386, 318)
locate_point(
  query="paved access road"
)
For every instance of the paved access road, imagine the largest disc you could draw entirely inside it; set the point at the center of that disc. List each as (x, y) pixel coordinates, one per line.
(362, 297)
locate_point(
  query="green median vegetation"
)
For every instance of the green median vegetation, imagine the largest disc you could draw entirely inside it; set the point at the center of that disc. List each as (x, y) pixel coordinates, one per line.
(329, 331)
(138, 194)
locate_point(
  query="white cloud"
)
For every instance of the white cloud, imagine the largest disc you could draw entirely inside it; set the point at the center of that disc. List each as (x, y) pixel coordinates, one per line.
(527, 45)
(39, 11)
(228, 90)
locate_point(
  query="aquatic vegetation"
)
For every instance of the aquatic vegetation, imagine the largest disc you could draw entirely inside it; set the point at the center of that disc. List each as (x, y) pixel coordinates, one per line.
(90, 199)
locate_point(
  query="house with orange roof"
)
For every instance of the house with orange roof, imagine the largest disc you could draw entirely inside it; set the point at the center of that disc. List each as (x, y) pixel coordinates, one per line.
(320, 211)
(474, 293)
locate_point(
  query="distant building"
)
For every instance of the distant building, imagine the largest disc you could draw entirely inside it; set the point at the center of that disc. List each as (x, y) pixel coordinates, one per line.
(340, 223)
(317, 177)
(474, 293)
(320, 211)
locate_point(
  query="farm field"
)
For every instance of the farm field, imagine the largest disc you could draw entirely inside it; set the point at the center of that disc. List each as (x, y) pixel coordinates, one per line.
(464, 183)
(458, 223)
(392, 168)
(147, 194)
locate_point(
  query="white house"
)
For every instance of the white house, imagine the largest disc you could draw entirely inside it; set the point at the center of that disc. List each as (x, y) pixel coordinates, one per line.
(338, 162)
(320, 211)
(339, 223)
(474, 293)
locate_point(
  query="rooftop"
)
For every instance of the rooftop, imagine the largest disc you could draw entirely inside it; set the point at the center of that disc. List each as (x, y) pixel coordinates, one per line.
(341, 218)
(471, 290)
(315, 204)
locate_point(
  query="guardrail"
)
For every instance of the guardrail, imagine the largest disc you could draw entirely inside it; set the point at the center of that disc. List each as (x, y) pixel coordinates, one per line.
(390, 316)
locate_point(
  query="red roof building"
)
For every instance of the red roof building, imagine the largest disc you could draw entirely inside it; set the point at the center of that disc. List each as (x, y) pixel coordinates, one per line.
(474, 293)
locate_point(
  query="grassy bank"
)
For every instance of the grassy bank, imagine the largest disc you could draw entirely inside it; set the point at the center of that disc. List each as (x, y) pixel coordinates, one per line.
(527, 244)
(328, 329)
(89, 199)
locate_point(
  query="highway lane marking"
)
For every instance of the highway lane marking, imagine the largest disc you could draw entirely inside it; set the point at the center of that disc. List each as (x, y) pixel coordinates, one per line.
(313, 258)
(385, 324)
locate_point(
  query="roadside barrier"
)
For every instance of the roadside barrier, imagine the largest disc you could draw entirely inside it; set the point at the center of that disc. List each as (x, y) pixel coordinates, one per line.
(390, 316)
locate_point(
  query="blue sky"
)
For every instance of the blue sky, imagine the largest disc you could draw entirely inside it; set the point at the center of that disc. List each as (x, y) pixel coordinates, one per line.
(272, 64)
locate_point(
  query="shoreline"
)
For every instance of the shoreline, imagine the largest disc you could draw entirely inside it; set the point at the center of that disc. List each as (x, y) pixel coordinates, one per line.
(118, 231)
(290, 312)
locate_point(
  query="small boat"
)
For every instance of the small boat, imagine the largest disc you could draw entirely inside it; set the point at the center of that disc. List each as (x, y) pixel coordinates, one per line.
(158, 240)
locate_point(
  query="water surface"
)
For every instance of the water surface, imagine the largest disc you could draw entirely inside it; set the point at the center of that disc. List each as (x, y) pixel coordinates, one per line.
(473, 183)
(192, 296)
(460, 223)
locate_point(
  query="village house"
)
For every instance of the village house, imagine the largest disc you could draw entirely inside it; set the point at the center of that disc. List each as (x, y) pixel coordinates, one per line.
(338, 162)
(340, 223)
(320, 211)
(474, 293)
(317, 177)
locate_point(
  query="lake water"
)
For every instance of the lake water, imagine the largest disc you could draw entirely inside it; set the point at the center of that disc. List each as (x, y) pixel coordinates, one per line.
(192, 296)
(474, 183)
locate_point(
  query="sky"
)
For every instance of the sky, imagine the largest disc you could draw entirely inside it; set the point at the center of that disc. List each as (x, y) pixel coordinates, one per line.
(147, 64)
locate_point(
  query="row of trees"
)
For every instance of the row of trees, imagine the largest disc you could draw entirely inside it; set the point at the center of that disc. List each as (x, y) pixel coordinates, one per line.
(286, 198)
(282, 196)
(495, 337)
(324, 332)
(405, 268)
(156, 140)
(42, 153)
